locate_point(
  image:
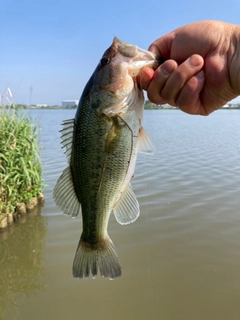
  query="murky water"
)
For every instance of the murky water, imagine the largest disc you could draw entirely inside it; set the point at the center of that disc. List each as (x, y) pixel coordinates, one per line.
(180, 259)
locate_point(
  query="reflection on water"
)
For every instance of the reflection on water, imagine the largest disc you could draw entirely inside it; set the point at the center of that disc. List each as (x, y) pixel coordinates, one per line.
(21, 260)
(180, 259)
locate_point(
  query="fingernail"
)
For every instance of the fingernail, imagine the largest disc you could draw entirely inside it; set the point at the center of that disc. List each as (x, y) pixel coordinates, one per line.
(194, 60)
(147, 73)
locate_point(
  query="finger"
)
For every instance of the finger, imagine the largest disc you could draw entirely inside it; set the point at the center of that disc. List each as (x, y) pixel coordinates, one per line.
(159, 80)
(181, 75)
(145, 77)
(189, 99)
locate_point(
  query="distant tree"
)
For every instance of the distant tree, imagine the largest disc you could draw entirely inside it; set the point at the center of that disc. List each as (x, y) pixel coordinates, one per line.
(149, 105)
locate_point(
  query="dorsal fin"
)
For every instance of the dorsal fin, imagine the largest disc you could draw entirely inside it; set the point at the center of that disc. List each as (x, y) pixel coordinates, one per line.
(65, 196)
(67, 137)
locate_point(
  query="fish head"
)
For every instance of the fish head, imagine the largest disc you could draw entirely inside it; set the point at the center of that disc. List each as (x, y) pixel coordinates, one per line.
(115, 78)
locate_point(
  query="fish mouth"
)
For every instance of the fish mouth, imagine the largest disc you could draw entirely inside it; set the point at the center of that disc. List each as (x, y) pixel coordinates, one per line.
(136, 56)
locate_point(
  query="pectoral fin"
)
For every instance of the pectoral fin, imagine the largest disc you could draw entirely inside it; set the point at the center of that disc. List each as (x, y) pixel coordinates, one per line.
(127, 208)
(145, 144)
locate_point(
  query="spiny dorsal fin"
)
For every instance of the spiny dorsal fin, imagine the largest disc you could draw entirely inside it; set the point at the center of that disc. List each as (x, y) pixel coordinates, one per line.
(127, 209)
(67, 136)
(145, 144)
(65, 196)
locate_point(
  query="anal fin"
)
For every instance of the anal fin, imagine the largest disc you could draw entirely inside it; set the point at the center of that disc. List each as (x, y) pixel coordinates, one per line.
(127, 208)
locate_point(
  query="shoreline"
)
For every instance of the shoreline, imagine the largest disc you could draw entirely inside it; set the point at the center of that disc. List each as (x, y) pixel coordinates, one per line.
(21, 210)
(147, 106)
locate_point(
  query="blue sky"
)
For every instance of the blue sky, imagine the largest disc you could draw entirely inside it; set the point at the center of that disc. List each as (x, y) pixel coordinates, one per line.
(54, 46)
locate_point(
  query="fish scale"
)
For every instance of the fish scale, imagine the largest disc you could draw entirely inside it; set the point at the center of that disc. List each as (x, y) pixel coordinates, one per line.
(97, 172)
(102, 143)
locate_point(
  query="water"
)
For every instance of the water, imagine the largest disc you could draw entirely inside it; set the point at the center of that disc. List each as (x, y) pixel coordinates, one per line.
(180, 259)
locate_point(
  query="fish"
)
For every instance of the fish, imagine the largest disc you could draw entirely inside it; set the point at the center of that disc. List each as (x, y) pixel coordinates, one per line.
(102, 143)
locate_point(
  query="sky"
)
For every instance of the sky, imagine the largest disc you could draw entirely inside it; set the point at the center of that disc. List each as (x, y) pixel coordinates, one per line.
(54, 46)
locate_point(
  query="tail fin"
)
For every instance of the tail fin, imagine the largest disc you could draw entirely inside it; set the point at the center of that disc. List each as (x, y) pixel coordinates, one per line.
(89, 257)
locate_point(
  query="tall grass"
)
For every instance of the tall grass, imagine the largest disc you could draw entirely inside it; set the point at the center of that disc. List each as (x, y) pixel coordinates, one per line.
(20, 167)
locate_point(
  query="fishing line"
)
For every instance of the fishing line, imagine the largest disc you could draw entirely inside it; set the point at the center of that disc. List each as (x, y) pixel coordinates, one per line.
(146, 220)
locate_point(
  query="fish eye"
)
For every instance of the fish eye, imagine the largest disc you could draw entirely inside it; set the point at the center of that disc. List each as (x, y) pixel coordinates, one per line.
(104, 61)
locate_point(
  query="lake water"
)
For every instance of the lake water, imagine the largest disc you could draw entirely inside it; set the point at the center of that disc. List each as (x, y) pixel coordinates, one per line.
(180, 259)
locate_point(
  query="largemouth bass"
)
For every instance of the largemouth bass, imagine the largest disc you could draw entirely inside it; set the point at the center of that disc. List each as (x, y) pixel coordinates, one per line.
(102, 143)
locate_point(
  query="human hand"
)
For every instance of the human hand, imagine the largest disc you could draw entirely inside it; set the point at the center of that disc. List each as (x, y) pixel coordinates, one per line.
(202, 68)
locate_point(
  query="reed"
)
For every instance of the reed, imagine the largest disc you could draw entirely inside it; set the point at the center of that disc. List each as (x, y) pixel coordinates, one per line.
(20, 166)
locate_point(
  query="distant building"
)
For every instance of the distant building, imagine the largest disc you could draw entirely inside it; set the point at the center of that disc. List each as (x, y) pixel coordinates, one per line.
(226, 106)
(41, 105)
(69, 103)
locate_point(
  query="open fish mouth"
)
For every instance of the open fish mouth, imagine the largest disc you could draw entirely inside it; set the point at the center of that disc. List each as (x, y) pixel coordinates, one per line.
(138, 57)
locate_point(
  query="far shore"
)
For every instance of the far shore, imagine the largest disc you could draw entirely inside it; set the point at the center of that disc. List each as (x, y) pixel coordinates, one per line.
(147, 106)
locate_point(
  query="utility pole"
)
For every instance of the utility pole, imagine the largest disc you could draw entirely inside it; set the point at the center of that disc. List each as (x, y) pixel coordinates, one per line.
(30, 98)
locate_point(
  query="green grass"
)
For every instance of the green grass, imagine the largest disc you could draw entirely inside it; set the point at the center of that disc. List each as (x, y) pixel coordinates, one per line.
(20, 167)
